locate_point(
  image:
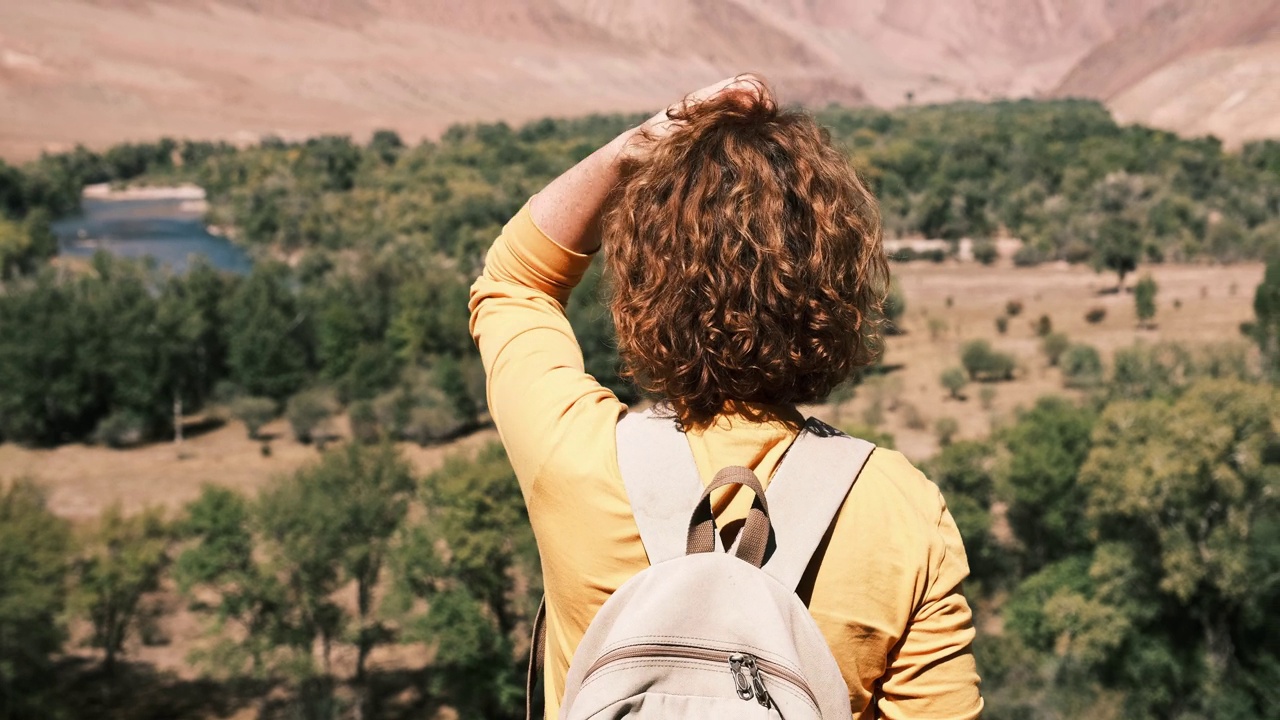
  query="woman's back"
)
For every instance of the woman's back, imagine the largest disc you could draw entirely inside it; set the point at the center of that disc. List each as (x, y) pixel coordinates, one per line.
(886, 592)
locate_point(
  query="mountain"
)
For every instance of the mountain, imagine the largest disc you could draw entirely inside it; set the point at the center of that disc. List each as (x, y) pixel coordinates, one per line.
(1195, 66)
(103, 71)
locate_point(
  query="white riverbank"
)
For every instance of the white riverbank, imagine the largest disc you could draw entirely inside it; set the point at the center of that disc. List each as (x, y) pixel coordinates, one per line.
(185, 191)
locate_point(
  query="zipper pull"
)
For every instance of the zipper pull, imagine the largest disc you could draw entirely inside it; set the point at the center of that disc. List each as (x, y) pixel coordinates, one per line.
(741, 678)
(757, 682)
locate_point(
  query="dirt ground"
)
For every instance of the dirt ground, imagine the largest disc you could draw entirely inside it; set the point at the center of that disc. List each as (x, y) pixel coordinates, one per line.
(1213, 300)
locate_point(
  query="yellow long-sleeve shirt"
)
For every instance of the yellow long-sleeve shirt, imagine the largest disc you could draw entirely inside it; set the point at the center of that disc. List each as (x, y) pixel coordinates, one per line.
(887, 593)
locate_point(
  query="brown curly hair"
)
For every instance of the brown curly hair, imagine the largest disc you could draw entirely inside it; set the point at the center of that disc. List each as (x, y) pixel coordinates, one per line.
(744, 260)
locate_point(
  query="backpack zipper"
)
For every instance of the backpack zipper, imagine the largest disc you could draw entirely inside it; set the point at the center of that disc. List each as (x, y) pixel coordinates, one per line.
(748, 671)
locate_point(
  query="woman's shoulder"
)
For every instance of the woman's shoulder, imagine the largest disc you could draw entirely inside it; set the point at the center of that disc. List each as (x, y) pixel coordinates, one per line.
(893, 485)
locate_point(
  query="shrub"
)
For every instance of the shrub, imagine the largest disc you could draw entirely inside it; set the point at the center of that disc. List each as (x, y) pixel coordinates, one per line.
(946, 429)
(1053, 345)
(121, 429)
(364, 422)
(937, 328)
(912, 417)
(1043, 326)
(1144, 299)
(895, 306)
(308, 411)
(1081, 366)
(1013, 308)
(254, 412)
(987, 396)
(1002, 324)
(983, 362)
(1095, 315)
(420, 410)
(1029, 256)
(954, 380)
(936, 255)
(985, 252)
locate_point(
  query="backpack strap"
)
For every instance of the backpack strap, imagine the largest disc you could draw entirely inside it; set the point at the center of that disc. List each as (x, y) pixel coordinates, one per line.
(806, 493)
(661, 480)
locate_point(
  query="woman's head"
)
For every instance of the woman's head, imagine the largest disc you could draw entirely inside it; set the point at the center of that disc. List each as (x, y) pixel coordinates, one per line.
(744, 259)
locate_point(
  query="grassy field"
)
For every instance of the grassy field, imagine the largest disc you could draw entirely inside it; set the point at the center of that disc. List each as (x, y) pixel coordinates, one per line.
(82, 479)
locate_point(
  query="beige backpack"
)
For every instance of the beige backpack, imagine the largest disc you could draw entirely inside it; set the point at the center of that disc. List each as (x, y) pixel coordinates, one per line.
(704, 632)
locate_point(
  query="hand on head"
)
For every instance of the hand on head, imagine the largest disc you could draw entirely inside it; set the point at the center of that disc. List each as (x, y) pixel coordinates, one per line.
(752, 87)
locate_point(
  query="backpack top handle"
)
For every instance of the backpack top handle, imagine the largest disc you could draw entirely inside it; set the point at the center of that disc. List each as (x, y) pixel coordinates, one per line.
(753, 539)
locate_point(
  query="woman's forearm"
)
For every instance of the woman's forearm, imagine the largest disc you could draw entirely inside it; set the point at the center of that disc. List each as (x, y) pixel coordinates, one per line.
(568, 209)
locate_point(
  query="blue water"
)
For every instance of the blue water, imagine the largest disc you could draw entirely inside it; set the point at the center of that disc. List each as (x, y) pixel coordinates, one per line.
(160, 229)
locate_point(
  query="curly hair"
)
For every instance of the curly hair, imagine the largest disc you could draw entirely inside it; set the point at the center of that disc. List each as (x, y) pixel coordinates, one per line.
(744, 260)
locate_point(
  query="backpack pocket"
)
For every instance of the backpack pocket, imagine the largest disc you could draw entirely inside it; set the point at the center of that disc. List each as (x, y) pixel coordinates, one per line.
(681, 681)
(660, 706)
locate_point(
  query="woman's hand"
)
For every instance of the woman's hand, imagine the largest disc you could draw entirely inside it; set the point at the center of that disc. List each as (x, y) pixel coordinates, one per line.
(568, 209)
(632, 143)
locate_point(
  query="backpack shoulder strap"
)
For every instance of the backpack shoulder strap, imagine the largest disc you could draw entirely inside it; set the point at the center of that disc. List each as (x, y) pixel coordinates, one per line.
(806, 493)
(661, 480)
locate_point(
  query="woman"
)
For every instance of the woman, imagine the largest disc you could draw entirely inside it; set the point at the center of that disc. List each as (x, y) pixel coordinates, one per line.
(747, 273)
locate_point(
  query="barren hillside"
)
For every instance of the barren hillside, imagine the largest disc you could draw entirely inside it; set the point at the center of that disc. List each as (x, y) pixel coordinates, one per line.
(1192, 66)
(102, 71)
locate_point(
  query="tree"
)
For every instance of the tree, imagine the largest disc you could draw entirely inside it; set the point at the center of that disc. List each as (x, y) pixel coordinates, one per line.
(371, 486)
(308, 411)
(463, 558)
(984, 362)
(1118, 244)
(954, 379)
(963, 472)
(1266, 311)
(1144, 298)
(254, 412)
(1053, 346)
(220, 562)
(35, 554)
(1047, 446)
(1081, 366)
(122, 562)
(895, 308)
(265, 354)
(1183, 497)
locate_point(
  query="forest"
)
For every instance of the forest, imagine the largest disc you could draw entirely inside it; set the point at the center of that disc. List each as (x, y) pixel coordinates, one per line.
(1124, 539)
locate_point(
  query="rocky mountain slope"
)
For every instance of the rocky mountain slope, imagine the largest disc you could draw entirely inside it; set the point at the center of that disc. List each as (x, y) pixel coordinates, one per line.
(102, 71)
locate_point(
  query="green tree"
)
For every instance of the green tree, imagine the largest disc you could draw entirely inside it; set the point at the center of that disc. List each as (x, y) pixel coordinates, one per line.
(1053, 346)
(1081, 366)
(35, 563)
(1144, 298)
(963, 471)
(1182, 496)
(984, 362)
(464, 558)
(1266, 311)
(246, 617)
(371, 487)
(254, 412)
(122, 561)
(265, 353)
(308, 411)
(954, 379)
(1047, 446)
(1118, 245)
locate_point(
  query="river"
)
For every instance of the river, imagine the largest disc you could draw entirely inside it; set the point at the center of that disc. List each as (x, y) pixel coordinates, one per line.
(164, 224)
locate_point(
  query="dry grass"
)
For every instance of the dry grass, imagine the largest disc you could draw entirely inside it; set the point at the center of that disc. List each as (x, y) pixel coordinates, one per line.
(979, 295)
